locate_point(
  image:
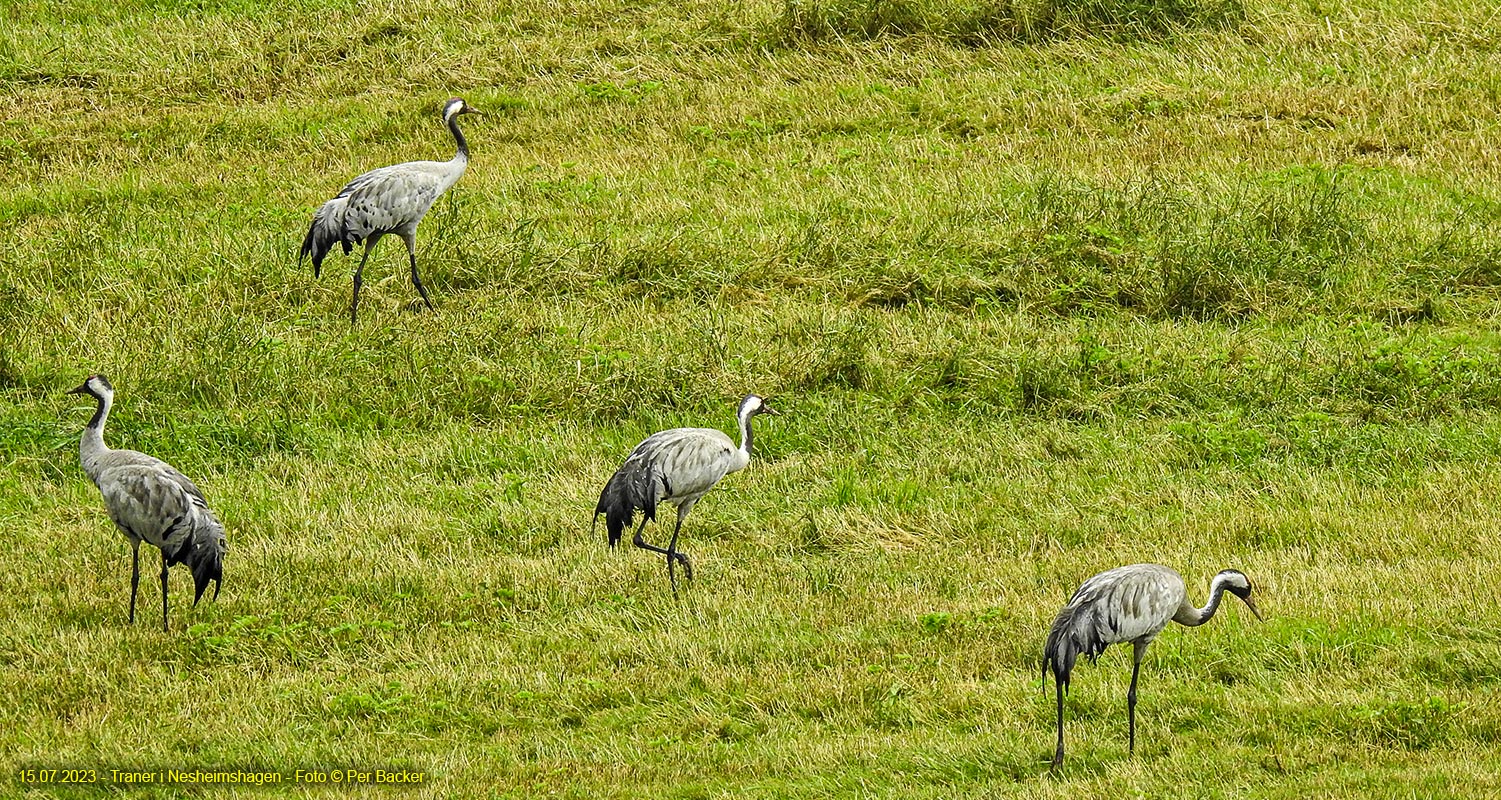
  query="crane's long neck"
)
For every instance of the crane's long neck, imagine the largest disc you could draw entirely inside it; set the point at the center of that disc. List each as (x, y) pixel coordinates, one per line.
(92, 444)
(1191, 616)
(745, 433)
(458, 136)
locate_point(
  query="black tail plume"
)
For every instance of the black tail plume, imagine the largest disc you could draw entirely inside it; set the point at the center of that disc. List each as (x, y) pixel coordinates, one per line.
(326, 230)
(204, 551)
(1075, 632)
(631, 487)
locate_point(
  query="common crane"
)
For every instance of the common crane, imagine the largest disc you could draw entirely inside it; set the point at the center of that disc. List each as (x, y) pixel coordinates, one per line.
(387, 200)
(152, 502)
(1127, 604)
(676, 466)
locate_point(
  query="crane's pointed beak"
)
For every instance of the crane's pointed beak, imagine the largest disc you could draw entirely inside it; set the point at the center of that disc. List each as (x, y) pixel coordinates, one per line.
(80, 389)
(766, 409)
(1251, 605)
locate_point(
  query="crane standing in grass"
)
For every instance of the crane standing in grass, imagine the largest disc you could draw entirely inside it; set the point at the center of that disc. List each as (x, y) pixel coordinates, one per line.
(1127, 604)
(386, 200)
(151, 502)
(675, 466)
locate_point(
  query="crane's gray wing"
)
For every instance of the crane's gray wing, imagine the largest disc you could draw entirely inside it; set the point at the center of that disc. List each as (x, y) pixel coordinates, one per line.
(1144, 598)
(1077, 630)
(691, 460)
(155, 503)
(389, 199)
(1124, 604)
(116, 459)
(671, 463)
(145, 502)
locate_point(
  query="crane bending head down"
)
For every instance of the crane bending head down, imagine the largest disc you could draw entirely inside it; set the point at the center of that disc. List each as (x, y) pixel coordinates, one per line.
(1127, 604)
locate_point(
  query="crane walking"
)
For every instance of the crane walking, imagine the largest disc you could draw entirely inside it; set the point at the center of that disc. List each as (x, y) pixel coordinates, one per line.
(152, 502)
(387, 200)
(1127, 604)
(676, 466)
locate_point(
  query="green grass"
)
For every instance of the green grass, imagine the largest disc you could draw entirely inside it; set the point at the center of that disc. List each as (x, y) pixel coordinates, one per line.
(1042, 288)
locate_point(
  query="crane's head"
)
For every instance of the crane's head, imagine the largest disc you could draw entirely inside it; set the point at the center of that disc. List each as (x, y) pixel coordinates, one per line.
(456, 106)
(1236, 583)
(96, 386)
(754, 404)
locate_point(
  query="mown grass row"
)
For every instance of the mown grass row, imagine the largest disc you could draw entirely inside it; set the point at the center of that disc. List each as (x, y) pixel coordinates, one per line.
(1139, 302)
(992, 22)
(1276, 383)
(1287, 246)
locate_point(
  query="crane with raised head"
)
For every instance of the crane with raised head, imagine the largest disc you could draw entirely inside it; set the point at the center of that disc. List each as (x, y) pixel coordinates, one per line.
(676, 466)
(151, 502)
(391, 199)
(1127, 604)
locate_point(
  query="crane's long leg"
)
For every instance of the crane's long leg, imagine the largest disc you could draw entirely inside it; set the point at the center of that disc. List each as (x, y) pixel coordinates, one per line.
(672, 546)
(164, 591)
(411, 240)
(640, 541)
(354, 304)
(672, 553)
(1058, 753)
(1138, 650)
(135, 577)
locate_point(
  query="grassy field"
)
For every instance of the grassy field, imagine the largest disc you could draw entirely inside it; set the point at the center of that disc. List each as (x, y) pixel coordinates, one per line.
(1041, 288)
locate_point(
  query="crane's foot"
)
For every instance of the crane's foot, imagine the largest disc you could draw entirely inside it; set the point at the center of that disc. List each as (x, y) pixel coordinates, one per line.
(416, 281)
(673, 559)
(687, 565)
